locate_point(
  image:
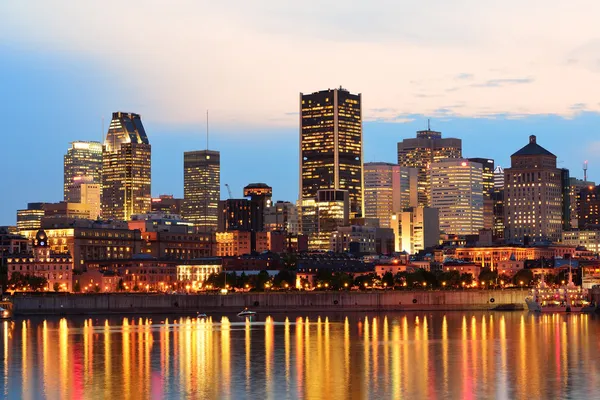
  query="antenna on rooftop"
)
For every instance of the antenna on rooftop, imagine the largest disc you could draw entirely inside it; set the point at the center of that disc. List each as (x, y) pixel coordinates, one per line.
(585, 168)
(206, 129)
(428, 124)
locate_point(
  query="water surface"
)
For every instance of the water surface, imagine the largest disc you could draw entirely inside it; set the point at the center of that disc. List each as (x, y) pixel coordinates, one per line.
(434, 355)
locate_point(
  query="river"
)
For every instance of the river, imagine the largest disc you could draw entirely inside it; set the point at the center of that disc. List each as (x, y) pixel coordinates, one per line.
(416, 355)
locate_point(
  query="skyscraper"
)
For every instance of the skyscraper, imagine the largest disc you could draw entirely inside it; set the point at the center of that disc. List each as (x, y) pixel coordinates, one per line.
(389, 188)
(126, 162)
(82, 165)
(260, 198)
(488, 190)
(428, 147)
(533, 195)
(331, 146)
(456, 191)
(202, 188)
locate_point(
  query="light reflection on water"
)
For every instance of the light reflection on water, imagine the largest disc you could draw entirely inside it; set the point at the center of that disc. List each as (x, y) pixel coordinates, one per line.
(396, 355)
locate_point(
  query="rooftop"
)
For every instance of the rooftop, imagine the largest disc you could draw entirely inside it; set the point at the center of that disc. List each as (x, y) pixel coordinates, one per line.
(533, 149)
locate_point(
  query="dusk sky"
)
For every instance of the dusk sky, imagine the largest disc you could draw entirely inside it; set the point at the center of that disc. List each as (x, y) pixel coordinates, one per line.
(490, 73)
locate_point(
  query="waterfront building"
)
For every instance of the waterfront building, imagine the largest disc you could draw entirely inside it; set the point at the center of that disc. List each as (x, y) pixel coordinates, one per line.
(389, 188)
(281, 216)
(166, 203)
(82, 164)
(30, 218)
(456, 191)
(260, 195)
(490, 256)
(197, 271)
(202, 188)
(416, 229)
(42, 262)
(126, 168)
(96, 281)
(427, 148)
(12, 243)
(331, 147)
(533, 195)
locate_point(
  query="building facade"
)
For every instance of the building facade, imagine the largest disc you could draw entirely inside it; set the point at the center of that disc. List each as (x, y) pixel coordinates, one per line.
(416, 229)
(420, 152)
(533, 196)
(237, 243)
(235, 214)
(202, 188)
(82, 164)
(389, 188)
(331, 145)
(260, 195)
(457, 192)
(167, 204)
(281, 216)
(126, 168)
(589, 207)
(30, 218)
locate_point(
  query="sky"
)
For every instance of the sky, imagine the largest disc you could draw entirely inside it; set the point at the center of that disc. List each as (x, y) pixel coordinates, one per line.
(490, 73)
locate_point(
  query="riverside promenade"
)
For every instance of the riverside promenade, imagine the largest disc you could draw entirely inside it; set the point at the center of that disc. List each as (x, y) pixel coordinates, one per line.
(143, 303)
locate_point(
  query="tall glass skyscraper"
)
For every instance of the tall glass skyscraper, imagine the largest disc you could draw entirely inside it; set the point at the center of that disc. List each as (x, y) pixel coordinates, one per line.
(331, 146)
(126, 162)
(82, 165)
(202, 188)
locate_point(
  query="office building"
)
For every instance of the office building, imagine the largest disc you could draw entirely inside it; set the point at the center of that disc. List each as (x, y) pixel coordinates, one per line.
(416, 229)
(488, 184)
(533, 196)
(457, 192)
(166, 203)
(235, 215)
(498, 178)
(82, 164)
(202, 188)
(237, 243)
(30, 218)
(331, 146)
(281, 216)
(67, 210)
(126, 168)
(427, 148)
(576, 185)
(260, 198)
(589, 207)
(389, 188)
(498, 209)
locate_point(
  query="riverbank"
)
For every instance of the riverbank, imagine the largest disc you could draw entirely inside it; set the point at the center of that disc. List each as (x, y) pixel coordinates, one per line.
(129, 303)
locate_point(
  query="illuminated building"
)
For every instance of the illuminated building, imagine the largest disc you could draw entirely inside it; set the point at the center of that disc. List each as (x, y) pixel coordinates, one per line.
(260, 198)
(57, 269)
(362, 239)
(11, 243)
(488, 184)
(126, 160)
(499, 177)
(589, 203)
(285, 242)
(97, 281)
(420, 152)
(202, 188)
(389, 188)
(88, 194)
(237, 243)
(533, 195)
(198, 271)
(235, 214)
(498, 207)
(167, 204)
(31, 218)
(576, 185)
(585, 238)
(332, 210)
(67, 210)
(416, 229)
(82, 164)
(281, 216)
(331, 147)
(456, 191)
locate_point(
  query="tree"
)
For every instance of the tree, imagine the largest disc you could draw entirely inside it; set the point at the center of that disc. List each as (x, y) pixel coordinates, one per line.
(466, 278)
(76, 287)
(97, 288)
(56, 287)
(487, 275)
(285, 276)
(242, 281)
(523, 275)
(120, 285)
(452, 279)
(259, 281)
(27, 282)
(388, 279)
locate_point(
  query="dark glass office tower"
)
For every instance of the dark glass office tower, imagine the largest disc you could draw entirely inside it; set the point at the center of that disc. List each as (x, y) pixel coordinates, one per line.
(126, 162)
(202, 188)
(331, 146)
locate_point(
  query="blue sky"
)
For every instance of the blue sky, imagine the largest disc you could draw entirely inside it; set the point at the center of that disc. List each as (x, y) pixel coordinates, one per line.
(483, 80)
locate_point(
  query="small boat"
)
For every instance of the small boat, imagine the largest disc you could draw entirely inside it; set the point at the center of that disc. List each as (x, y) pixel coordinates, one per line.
(4, 313)
(201, 315)
(246, 313)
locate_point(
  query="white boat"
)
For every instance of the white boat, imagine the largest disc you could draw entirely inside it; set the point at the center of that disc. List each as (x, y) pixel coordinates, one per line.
(4, 313)
(201, 315)
(246, 313)
(567, 298)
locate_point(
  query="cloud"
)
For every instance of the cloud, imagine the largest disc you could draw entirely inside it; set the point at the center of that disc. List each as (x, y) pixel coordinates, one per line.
(248, 63)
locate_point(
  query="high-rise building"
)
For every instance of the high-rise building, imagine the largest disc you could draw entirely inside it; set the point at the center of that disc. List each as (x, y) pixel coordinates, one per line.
(166, 203)
(281, 216)
(533, 195)
(202, 188)
(389, 188)
(589, 213)
(332, 210)
(82, 165)
(575, 199)
(235, 215)
(499, 178)
(126, 168)
(331, 145)
(260, 198)
(30, 218)
(427, 148)
(498, 206)
(416, 229)
(457, 192)
(488, 190)
(88, 194)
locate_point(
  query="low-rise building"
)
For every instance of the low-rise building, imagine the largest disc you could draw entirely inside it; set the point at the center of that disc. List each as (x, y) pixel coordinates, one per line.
(237, 243)
(584, 238)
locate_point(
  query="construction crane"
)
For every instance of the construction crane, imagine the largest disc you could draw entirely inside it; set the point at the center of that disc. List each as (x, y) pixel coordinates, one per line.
(228, 190)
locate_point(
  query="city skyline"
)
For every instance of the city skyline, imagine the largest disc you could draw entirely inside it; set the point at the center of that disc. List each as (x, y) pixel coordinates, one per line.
(473, 87)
